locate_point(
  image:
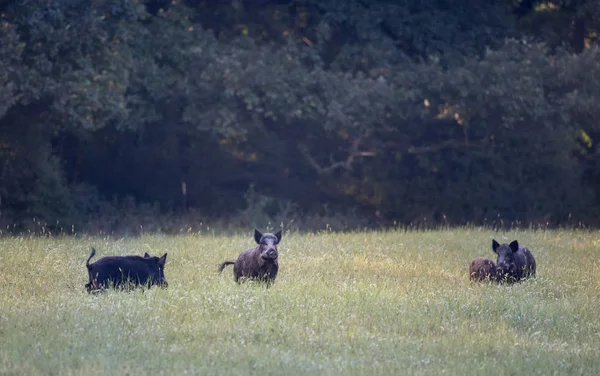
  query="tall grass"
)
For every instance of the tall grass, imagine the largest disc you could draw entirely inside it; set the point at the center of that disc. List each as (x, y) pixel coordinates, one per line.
(342, 304)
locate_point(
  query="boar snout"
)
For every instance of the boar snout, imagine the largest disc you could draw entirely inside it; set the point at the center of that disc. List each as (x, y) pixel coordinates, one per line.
(270, 254)
(506, 268)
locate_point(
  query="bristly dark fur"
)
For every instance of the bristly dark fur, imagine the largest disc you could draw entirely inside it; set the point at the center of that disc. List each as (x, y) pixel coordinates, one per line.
(119, 271)
(482, 269)
(514, 262)
(259, 263)
(223, 265)
(92, 254)
(89, 285)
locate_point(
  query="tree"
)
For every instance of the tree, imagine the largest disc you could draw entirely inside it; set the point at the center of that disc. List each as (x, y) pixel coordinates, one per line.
(398, 111)
(573, 23)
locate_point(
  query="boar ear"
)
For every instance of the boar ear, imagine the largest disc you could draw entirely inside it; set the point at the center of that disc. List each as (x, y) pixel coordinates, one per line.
(146, 255)
(514, 246)
(162, 260)
(257, 236)
(495, 245)
(278, 236)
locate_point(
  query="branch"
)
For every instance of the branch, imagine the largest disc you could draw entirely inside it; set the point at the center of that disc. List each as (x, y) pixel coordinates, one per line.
(316, 166)
(434, 148)
(444, 145)
(354, 152)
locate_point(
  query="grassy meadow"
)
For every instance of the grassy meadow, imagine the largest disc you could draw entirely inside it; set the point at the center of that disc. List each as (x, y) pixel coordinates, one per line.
(343, 304)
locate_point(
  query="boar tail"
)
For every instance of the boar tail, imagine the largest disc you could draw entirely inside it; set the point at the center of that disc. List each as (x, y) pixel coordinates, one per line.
(223, 265)
(87, 263)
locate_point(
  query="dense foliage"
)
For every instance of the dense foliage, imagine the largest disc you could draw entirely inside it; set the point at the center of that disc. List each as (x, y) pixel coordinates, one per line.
(375, 112)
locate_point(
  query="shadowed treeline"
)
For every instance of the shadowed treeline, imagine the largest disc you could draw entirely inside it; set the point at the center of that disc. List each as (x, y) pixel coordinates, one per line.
(155, 114)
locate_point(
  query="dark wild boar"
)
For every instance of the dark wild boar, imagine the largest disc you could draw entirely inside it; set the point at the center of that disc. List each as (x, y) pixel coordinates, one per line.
(119, 270)
(482, 269)
(514, 262)
(258, 263)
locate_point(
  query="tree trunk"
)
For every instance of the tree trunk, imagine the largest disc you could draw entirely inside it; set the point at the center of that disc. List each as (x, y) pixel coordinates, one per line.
(578, 37)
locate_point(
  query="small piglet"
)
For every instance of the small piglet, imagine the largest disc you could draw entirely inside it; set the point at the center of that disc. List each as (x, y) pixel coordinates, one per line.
(258, 263)
(514, 262)
(482, 269)
(119, 270)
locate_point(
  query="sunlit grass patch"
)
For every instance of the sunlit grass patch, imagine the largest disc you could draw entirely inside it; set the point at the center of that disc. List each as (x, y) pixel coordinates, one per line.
(356, 303)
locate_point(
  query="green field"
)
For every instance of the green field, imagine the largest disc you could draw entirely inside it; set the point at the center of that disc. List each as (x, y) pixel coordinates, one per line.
(343, 304)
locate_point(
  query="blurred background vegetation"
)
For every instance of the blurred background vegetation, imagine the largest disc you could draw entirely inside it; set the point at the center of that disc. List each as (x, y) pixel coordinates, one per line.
(133, 115)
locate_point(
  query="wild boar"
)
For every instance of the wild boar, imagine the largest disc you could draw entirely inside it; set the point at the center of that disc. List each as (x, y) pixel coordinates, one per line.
(482, 269)
(259, 263)
(120, 270)
(514, 262)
